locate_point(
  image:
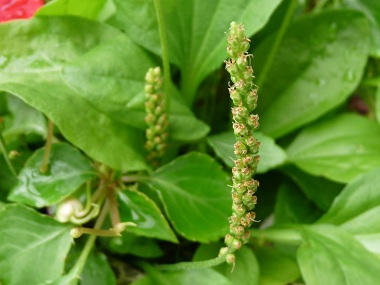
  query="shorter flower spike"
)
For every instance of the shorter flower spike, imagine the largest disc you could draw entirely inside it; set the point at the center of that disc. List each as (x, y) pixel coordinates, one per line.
(244, 97)
(156, 117)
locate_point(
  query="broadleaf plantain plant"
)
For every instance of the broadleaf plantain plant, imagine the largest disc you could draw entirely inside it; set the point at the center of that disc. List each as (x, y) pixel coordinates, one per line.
(163, 220)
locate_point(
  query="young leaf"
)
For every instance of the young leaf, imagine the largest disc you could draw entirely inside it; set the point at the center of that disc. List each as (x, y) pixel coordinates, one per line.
(194, 191)
(31, 241)
(195, 31)
(271, 155)
(99, 10)
(340, 148)
(34, 56)
(331, 256)
(357, 209)
(311, 74)
(246, 271)
(136, 207)
(68, 170)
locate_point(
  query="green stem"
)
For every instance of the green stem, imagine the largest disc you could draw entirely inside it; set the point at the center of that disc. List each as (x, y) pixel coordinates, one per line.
(3, 148)
(283, 236)
(192, 265)
(280, 34)
(78, 267)
(165, 53)
(45, 161)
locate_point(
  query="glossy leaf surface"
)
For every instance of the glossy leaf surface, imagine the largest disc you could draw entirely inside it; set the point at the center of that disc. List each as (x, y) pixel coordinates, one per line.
(68, 170)
(340, 148)
(195, 31)
(196, 198)
(33, 241)
(136, 207)
(318, 65)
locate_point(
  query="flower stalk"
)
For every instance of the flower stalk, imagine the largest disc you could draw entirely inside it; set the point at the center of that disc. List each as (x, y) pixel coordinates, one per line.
(243, 93)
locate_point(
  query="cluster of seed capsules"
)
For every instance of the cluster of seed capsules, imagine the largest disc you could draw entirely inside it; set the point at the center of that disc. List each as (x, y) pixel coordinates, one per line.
(156, 118)
(243, 93)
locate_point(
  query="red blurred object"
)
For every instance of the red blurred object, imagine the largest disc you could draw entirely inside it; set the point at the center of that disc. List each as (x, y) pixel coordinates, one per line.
(18, 9)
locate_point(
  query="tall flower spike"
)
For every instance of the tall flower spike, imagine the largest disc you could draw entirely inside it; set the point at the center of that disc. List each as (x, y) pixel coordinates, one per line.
(244, 97)
(156, 117)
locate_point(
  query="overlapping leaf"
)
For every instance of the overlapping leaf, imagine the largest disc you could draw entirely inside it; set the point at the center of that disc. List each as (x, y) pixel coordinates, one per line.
(195, 31)
(319, 63)
(68, 170)
(271, 155)
(340, 148)
(32, 243)
(196, 198)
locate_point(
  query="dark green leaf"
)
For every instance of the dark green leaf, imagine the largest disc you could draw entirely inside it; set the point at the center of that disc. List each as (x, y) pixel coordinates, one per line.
(318, 65)
(68, 170)
(97, 271)
(292, 206)
(246, 270)
(95, 10)
(34, 56)
(339, 148)
(3, 104)
(318, 189)
(196, 198)
(271, 155)
(33, 242)
(24, 120)
(276, 268)
(357, 209)
(331, 256)
(372, 10)
(136, 207)
(117, 89)
(129, 243)
(195, 31)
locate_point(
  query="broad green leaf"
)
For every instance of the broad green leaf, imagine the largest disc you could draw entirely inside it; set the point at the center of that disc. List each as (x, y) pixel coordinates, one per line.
(112, 76)
(246, 270)
(97, 271)
(357, 210)
(68, 170)
(271, 155)
(372, 10)
(276, 268)
(204, 276)
(292, 206)
(340, 148)
(377, 103)
(196, 198)
(24, 120)
(318, 189)
(34, 53)
(3, 102)
(332, 256)
(33, 246)
(195, 31)
(136, 207)
(130, 243)
(318, 64)
(99, 10)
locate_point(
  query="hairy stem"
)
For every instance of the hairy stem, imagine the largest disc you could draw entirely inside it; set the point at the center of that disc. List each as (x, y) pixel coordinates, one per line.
(45, 161)
(165, 53)
(280, 35)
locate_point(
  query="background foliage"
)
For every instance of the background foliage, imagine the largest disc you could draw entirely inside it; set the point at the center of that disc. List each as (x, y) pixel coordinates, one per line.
(82, 66)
